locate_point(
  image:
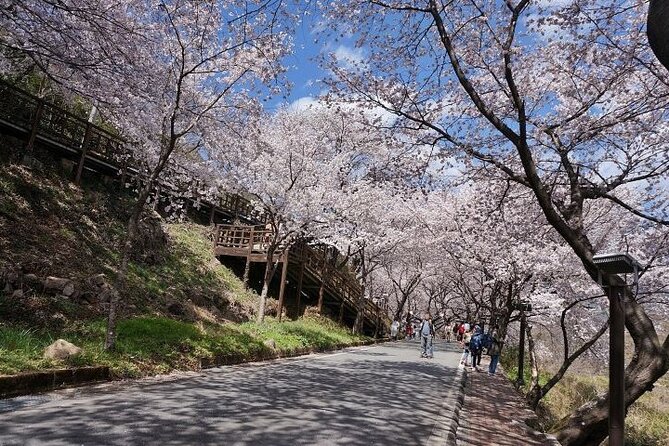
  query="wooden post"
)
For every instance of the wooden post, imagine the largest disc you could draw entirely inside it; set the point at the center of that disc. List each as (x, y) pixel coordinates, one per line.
(299, 287)
(321, 290)
(217, 236)
(282, 288)
(212, 214)
(247, 266)
(35, 126)
(124, 173)
(341, 312)
(616, 296)
(84, 151)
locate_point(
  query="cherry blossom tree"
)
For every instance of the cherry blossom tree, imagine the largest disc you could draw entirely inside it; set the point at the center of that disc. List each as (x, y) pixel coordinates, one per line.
(163, 74)
(565, 99)
(303, 161)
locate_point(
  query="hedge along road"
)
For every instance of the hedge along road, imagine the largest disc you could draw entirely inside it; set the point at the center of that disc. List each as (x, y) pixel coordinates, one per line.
(360, 396)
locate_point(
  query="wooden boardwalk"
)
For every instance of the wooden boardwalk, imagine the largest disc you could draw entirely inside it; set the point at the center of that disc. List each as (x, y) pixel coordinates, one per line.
(93, 148)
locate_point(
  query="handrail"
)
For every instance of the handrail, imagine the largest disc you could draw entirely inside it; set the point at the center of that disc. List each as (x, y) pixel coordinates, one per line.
(254, 240)
(49, 120)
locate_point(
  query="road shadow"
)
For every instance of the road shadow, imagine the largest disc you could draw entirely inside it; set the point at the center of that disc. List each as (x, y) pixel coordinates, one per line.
(380, 396)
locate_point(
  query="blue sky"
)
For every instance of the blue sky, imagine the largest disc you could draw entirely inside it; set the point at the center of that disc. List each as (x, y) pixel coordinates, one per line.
(303, 69)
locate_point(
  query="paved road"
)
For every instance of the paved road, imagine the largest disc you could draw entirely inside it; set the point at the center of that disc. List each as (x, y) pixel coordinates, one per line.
(381, 395)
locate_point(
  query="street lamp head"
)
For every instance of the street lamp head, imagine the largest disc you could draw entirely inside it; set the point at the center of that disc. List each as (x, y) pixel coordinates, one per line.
(617, 263)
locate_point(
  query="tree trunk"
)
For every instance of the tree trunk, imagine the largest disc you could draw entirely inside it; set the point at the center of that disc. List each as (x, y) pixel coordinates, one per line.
(247, 272)
(321, 295)
(588, 425)
(400, 307)
(131, 235)
(534, 364)
(270, 267)
(359, 323)
(658, 30)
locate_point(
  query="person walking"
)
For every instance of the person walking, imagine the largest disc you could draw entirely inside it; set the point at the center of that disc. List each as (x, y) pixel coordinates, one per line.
(394, 329)
(461, 332)
(476, 347)
(409, 330)
(466, 338)
(494, 351)
(426, 333)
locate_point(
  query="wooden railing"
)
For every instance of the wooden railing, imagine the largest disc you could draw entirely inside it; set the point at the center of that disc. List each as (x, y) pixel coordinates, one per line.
(253, 241)
(40, 119)
(244, 240)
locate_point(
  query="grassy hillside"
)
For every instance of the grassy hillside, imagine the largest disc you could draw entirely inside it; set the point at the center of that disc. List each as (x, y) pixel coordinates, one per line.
(177, 312)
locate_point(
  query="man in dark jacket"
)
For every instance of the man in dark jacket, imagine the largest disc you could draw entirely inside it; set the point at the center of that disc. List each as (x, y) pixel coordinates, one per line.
(476, 347)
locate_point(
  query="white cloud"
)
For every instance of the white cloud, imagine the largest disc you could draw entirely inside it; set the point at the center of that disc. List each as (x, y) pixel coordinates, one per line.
(349, 57)
(304, 103)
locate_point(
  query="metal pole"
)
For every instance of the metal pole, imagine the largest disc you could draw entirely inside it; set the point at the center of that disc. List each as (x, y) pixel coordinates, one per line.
(616, 367)
(521, 349)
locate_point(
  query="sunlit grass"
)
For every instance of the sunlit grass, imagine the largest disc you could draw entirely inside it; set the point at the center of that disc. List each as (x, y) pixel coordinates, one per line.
(647, 421)
(151, 345)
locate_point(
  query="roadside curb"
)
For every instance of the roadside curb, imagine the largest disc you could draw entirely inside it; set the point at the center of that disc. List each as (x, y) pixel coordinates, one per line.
(446, 427)
(36, 382)
(218, 361)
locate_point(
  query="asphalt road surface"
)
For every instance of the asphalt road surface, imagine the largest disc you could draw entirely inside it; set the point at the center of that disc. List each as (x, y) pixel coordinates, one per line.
(381, 395)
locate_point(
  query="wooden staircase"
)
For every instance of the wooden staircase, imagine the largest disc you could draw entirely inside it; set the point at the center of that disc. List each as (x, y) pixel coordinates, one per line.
(309, 267)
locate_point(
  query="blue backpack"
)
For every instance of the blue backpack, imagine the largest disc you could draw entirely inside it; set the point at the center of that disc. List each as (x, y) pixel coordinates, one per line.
(487, 341)
(476, 344)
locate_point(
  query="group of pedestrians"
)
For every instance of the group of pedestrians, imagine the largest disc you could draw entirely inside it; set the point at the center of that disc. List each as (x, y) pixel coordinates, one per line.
(410, 329)
(474, 342)
(472, 338)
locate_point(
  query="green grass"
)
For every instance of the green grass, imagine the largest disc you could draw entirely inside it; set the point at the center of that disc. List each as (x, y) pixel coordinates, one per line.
(81, 229)
(509, 361)
(152, 345)
(647, 421)
(189, 271)
(21, 349)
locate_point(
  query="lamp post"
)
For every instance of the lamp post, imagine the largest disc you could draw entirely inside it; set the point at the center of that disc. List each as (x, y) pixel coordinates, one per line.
(523, 307)
(611, 264)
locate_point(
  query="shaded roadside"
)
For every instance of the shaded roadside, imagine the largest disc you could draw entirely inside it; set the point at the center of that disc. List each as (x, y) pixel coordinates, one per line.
(495, 414)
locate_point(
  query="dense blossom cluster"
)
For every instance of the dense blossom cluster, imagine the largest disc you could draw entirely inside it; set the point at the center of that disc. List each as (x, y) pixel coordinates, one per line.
(477, 157)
